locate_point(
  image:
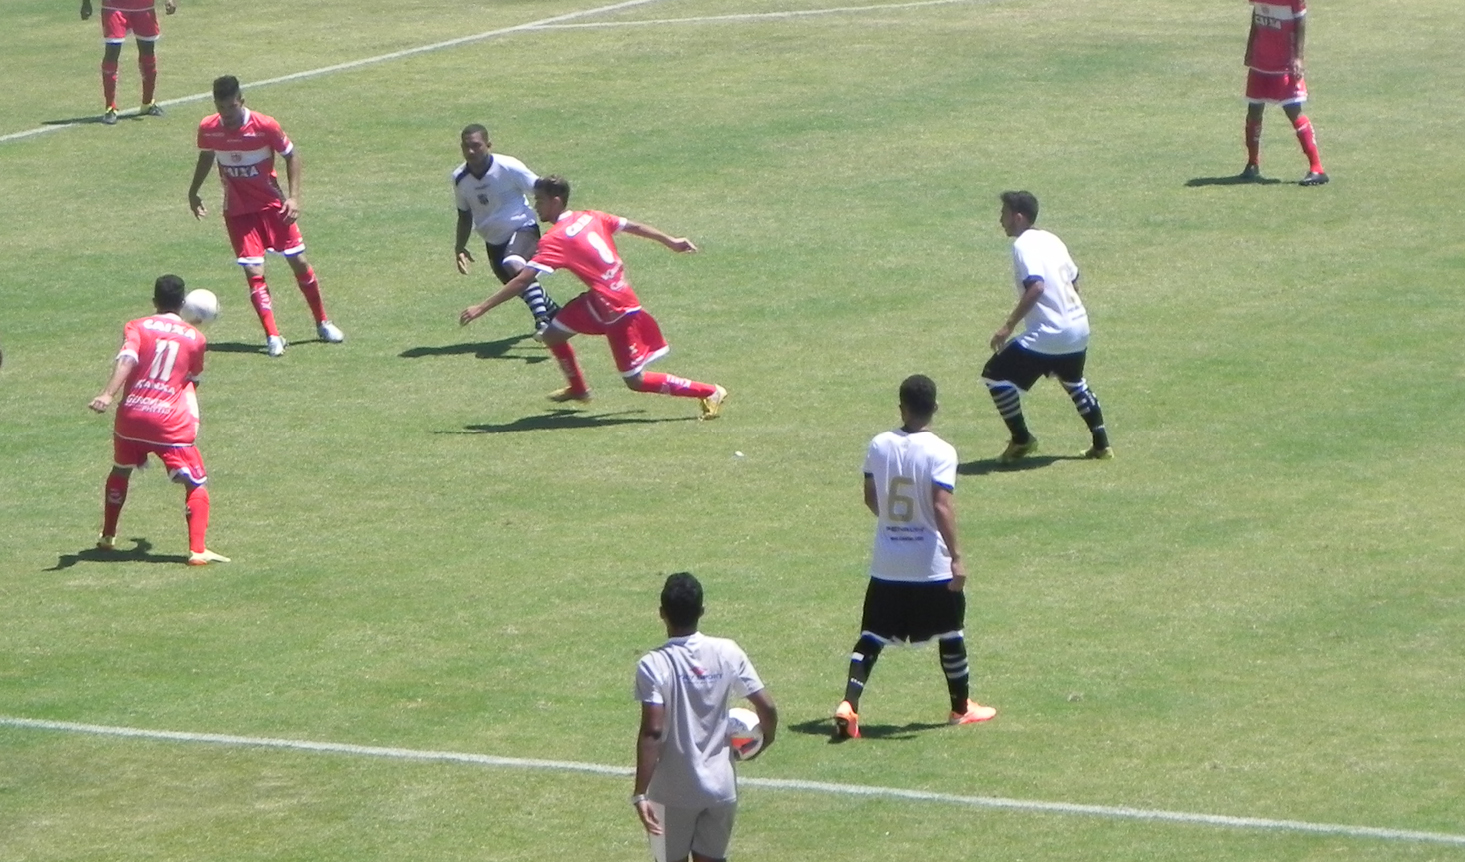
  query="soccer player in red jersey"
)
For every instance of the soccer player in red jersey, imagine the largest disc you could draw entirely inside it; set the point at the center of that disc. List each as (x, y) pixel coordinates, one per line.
(1274, 58)
(156, 372)
(258, 216)
(584, 243)
(118, 17)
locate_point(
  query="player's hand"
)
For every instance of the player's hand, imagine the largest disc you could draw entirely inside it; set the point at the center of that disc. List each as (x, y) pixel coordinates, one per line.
(86, 9)
(682, 244)
(999, 338)
(289, 211)
(170, 6)
(100, 403)
(957, 583)
(464, 258)
(1297, 67)
(648, 818)
(470, 314)
(195, 203)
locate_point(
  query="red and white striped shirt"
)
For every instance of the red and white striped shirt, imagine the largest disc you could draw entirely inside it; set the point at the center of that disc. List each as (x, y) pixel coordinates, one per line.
(246, 159)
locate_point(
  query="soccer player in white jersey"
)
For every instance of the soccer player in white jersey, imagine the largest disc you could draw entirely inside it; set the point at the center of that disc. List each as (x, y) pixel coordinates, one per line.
(492, 192)
(686, 791)
(916, 572)
(1055, 337)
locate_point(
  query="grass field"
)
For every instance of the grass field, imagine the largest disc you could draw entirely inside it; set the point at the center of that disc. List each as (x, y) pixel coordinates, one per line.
(1254, 611)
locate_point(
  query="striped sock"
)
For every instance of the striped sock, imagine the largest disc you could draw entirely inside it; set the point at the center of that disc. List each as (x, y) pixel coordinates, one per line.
(1088, 407)
(1008, 399)
(958, 672)
(861, 662)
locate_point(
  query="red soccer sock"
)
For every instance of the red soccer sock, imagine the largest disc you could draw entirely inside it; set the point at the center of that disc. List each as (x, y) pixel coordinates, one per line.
(310, 288)
(1308, 141)
(259, 297)
(565, 355)
(148, 66)
(114, 494)
(109, 82)
(670, 384)
(1253, 142)
(196, 511)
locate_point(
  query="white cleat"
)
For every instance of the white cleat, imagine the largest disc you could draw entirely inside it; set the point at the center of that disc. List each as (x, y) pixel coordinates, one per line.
(275, 345)
(329, 332)
(204, 557)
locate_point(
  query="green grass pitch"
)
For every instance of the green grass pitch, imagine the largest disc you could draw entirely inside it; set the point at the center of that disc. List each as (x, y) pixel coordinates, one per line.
(1256, 610)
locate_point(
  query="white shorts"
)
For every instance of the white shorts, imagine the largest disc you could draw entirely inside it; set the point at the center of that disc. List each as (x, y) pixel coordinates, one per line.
(707, 831)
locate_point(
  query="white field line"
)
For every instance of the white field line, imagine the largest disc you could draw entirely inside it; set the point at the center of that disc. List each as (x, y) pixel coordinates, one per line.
(761, 16)
(859, 790)
(542, 24)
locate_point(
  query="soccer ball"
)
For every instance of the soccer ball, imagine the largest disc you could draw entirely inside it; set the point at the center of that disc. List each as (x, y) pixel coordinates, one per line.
(743, 733)
(200, 307)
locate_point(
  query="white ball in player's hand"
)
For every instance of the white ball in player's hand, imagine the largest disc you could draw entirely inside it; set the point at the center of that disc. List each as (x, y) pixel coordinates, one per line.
(744, 734)
(200, 307)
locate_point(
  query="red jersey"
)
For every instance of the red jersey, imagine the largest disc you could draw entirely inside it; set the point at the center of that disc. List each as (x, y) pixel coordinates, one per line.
(1275, 26)
(128, 5)
(246, 158)
(158, 403)
(584, 243)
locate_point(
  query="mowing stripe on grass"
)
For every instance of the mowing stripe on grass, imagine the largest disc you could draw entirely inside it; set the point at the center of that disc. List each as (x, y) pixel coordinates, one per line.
(860, 790)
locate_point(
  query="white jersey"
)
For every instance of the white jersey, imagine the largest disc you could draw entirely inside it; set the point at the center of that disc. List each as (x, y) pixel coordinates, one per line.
(907, 469)
(694, 677)
(1059, 323)
(499, 201)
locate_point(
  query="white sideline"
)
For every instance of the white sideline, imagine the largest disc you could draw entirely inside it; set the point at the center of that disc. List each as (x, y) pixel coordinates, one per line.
(1025, 805)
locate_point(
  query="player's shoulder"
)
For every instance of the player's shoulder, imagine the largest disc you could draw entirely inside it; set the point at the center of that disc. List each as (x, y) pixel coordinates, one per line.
(211, 123)
(458, 174)
(510, 163)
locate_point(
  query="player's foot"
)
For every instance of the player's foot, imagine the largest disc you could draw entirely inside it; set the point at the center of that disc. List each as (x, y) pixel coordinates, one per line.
(151, 109)
(329, 332)
(275, 345)
(106, 543)
(560, 396)
(846, 722)
(540, 326)
(1251, 173)
(1314, 178)
(1018, 451)
(109, 116)
(1098, 453)
(975, 712)
(712, 404)
(204, 557)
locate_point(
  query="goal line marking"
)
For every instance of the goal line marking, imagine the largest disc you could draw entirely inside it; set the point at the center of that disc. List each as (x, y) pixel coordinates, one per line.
(1112, 812)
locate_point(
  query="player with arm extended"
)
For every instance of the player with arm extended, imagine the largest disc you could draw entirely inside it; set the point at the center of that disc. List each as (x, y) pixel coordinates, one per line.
(492, 193)
(257, 214)
(141, 18)
(584, 243)
(156, 372)
(917, 577)
(1274, 60)
(685, 790)
(1055, 336)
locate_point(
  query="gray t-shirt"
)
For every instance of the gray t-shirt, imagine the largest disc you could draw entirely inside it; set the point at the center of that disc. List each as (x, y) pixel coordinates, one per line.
(693, 678)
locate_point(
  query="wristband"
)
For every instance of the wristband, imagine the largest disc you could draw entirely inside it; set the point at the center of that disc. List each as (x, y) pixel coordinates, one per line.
(639, 798)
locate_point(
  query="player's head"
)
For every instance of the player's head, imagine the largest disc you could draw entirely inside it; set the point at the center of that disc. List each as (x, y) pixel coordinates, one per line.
(168, 294)
(917, 399)
(681, 602)
(551, 197)
(229, 100)
(476, 145)
(1019, 211)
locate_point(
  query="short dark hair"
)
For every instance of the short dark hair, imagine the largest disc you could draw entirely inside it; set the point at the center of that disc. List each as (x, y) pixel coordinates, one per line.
(553, 186)
(475, 129)
(681, 600)
(225, 87)
(168, 293)
(1021, 203)
(918, 395)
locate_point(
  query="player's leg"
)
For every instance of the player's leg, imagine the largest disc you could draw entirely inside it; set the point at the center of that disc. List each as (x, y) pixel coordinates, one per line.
(880, 623)
(508, 259)
(1069, 371)
(573, 319)
(1316, 176)
(114, 496)
(712, 834)
(678, 826)
(247, 237)
(185, 466)
(1008, 374)
(145, 27)
(942, 617)
(310, 289)
(1253, 140)
(111, 54)
(635, 342)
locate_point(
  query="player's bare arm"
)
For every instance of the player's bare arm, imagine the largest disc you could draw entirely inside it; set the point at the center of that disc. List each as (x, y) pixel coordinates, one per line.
(872, 500)
(515, 287)
(767, 718)
(290, 207)
(648, 752)
(123, 368)
(944, 504)
(460, 245)
(675, 243)
(1299, 39)
(1025, 304)
(86, 9)
(200, 173)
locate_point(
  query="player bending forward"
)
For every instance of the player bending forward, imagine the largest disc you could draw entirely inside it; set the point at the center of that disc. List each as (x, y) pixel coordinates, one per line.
(157, 369)
(584, 243)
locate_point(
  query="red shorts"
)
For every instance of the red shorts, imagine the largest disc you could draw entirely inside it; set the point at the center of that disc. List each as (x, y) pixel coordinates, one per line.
(635, 339)
(253, 234)
(184, 463)
(1283, 88)
(144, 25)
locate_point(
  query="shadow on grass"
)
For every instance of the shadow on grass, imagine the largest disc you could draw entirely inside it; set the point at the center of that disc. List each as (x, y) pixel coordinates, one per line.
(481, 350)
(242, 347)
(1233, 180)
(992, 465)
(140, 552)
(94, 119)
(563, 420)
(825, 727)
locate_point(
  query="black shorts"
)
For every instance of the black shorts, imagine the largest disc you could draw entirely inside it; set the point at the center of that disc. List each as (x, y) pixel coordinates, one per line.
(522, 244)
(1022, 367)
(914, 611)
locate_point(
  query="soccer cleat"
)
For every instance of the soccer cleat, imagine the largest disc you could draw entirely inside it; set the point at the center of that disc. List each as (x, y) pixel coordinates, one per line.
(540, 327)
(975, 712)
(1018, 451)
(1314, 178)
(1250, 173)
(275, 345)
(106, 543)
(560, 396)
(712, 404)
(1097, 453)
(109, 116)
(329, 332)
(846, 721)
(151, 109)
(204, 557)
